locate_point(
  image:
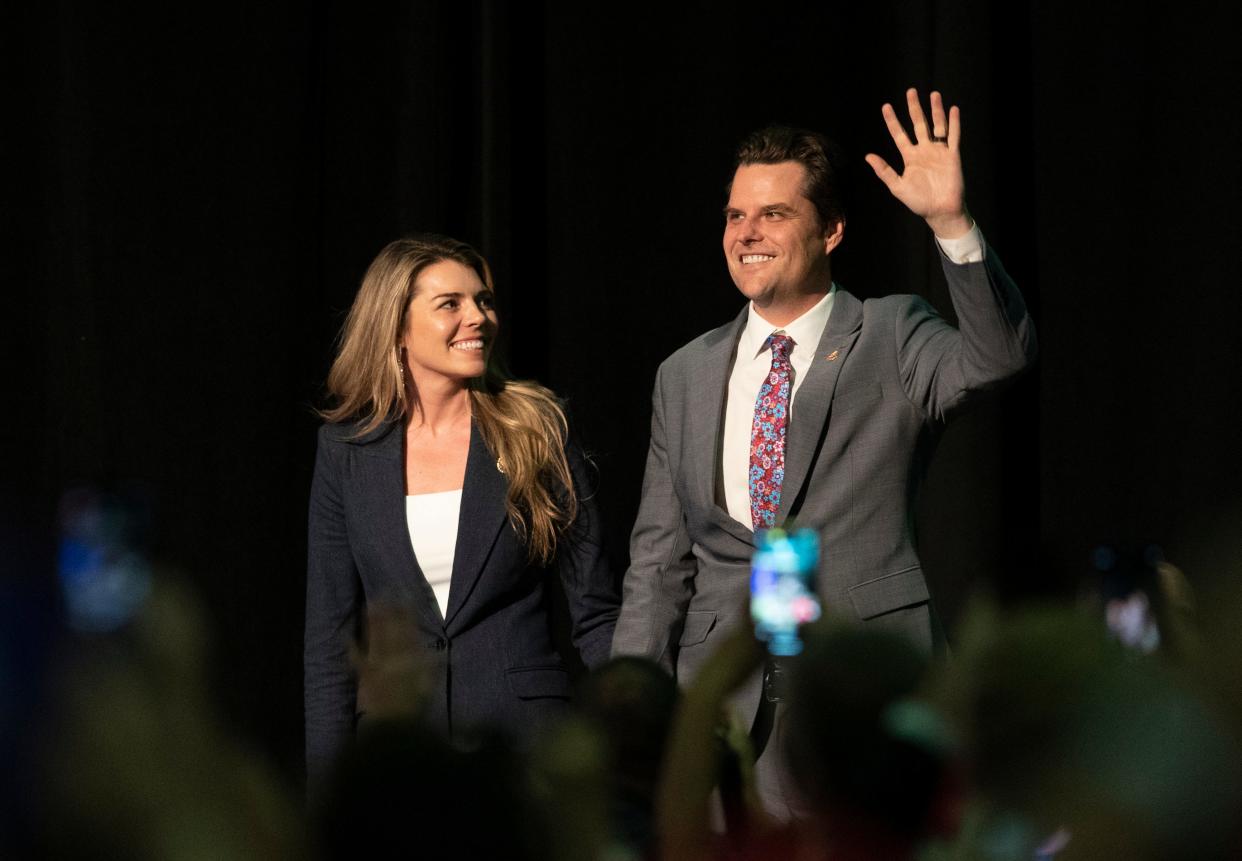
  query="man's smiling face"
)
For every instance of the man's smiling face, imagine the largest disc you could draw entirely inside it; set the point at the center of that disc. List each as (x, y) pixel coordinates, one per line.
(775, 245)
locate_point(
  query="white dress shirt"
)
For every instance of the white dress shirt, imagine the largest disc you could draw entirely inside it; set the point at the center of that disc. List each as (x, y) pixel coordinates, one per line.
(753, 363)
(432, 521)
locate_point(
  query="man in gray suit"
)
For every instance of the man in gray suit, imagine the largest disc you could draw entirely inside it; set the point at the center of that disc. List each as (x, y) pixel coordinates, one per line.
(861, 390)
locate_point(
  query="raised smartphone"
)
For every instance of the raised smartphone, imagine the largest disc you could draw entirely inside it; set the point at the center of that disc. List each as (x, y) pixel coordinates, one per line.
(782, 587)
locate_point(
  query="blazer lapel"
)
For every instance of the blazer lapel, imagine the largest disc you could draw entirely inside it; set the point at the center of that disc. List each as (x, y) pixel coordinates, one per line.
(383, 477)
(708, 391)
(724, 520)
(810, 408)
(479, 522)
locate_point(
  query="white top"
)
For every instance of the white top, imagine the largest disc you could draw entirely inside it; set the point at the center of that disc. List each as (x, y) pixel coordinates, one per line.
(432, 521)
(753, 363)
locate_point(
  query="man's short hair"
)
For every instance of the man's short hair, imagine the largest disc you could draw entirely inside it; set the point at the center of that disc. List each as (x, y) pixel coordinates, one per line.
(817, 153)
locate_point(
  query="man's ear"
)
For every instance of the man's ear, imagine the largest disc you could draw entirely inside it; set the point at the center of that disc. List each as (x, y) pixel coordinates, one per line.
(833, 235)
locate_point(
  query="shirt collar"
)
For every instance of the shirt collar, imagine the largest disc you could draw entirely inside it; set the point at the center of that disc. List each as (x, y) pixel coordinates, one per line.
(805, 330)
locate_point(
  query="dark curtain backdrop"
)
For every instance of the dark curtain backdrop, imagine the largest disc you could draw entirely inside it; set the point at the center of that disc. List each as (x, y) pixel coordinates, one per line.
(192, 197)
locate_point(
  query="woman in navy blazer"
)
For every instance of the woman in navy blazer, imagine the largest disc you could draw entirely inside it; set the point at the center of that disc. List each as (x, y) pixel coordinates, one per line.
(421, 410)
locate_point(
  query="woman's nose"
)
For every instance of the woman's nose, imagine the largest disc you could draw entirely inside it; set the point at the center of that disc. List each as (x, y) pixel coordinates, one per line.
(474, 315)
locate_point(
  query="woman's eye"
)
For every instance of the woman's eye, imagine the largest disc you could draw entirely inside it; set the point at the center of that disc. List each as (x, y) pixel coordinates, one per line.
(450, 304)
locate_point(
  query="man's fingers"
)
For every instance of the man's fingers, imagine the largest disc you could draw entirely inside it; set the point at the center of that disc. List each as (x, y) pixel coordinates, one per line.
(887, 175)
(921, 132)
(939, 126)
(955, 127)
(895, 128)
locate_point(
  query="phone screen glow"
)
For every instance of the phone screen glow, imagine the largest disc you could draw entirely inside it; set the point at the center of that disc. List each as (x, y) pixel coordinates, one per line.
(782, 588)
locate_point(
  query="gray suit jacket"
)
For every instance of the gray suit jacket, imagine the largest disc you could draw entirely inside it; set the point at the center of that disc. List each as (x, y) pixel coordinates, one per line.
(491, 656)
(887, 374)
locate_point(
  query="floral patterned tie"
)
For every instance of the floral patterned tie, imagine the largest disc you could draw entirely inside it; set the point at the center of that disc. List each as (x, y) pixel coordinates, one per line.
(767, 435)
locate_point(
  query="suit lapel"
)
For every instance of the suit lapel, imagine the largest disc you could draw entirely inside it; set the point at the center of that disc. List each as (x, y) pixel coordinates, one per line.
(383, 479)
(705, 413)
(810, 408)
(479, 522)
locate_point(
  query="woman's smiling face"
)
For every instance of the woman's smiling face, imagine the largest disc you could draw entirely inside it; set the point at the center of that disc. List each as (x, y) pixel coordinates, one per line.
(450, 323)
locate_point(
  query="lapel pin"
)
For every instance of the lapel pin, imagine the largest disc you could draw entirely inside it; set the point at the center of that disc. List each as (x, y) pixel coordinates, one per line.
(833, 356)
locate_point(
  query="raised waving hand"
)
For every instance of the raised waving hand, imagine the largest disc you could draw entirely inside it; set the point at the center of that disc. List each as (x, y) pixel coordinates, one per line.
(930, 183)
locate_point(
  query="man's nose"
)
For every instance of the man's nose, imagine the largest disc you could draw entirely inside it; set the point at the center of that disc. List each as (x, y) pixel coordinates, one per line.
(748, 231)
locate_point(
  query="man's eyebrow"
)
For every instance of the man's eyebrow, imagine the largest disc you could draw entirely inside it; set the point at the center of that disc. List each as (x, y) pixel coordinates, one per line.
(768, 207)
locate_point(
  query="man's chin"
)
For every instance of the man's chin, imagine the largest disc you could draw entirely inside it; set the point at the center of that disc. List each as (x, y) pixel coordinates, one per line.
(754, 289)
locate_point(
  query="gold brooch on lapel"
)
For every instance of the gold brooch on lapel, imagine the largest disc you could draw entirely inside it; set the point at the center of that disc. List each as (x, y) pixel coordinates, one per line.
(833, 356)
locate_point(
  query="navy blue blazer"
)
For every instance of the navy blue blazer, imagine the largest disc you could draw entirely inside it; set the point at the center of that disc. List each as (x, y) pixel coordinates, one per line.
(491, 655)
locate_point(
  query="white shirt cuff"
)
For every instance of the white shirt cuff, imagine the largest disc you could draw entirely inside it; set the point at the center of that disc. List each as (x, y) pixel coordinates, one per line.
(964, 249)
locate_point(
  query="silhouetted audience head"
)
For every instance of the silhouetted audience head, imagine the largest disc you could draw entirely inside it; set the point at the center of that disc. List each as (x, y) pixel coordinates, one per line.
(402, 791)
(135, 759)
(631, 702)
(628, 705)
(1067, 728)
(862, 747)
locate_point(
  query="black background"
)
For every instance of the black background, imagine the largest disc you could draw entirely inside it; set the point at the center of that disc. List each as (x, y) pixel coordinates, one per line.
(191, 196)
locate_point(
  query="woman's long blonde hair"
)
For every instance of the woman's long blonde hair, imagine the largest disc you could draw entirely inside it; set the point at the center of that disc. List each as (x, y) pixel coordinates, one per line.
(522, 422)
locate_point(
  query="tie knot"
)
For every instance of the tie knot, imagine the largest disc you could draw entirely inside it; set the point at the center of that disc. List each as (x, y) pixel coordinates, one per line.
(780, 344)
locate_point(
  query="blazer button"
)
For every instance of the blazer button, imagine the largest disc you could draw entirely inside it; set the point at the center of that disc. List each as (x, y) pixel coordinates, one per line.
(441, 644)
